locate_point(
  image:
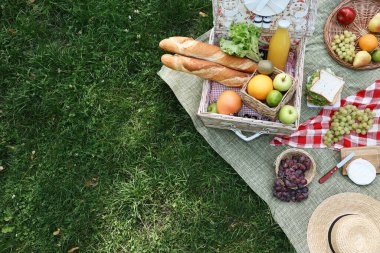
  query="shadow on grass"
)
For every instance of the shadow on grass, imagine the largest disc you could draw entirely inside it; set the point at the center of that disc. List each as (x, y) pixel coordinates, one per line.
(79, 87)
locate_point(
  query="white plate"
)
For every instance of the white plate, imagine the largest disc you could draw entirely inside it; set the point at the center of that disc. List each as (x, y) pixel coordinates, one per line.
(267, 10)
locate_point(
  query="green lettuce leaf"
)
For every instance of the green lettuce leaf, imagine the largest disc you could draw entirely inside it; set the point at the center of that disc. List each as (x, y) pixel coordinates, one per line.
(243, 41)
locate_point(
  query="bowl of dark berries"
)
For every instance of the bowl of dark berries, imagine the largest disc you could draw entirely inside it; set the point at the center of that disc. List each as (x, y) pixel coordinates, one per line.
(295, 169)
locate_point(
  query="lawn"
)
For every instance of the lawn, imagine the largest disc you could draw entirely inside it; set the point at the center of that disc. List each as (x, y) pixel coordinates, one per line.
(96, 151)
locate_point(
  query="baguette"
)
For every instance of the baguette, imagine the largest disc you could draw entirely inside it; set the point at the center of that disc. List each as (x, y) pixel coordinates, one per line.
(206, 70)
(192, 48)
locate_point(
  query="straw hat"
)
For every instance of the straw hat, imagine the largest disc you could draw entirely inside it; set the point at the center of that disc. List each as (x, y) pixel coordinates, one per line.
(345, 223)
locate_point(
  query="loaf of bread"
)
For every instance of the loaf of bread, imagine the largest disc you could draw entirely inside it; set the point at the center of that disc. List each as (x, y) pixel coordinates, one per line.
(190, 47)
(206, 70)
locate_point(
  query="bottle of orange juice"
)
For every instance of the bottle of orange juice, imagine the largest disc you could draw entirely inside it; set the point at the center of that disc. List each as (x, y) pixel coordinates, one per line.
(279, 45)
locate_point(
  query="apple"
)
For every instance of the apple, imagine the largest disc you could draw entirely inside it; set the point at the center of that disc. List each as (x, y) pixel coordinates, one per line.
(274, 98)
(282, 82)
(288, 114)
(345, 15)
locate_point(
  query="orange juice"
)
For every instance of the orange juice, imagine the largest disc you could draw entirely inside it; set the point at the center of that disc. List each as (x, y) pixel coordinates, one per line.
(279, 45)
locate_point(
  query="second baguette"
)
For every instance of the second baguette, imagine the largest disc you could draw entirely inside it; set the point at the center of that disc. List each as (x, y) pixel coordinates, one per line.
(197, 49)
(206, 70)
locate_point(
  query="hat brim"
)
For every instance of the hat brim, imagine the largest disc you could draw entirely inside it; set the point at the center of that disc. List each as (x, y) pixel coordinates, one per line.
(333, 207)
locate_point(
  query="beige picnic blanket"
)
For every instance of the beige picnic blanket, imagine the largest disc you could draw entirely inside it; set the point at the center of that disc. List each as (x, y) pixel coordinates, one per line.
(254, 160)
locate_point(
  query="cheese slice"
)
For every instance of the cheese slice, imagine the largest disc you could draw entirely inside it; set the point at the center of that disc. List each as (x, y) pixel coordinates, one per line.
(328, 86)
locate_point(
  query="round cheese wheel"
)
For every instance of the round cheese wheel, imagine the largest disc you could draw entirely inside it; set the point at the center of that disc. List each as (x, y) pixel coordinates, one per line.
(361, 172)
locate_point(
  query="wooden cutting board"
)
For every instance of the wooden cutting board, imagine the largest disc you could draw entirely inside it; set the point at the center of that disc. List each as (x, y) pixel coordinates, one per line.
(371, 154)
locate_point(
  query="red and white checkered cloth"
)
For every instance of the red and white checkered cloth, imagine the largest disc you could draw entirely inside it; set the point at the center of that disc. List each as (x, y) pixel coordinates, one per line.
(311, 132)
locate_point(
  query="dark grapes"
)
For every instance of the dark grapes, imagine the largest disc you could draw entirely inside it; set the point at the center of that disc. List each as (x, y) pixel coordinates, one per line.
(290, 184)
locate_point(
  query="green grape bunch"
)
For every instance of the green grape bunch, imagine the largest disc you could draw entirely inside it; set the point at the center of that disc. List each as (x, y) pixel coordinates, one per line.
(347, 119)
(344, 46)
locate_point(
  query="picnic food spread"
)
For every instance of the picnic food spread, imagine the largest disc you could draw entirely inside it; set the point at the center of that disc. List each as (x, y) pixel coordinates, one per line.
(253, 83)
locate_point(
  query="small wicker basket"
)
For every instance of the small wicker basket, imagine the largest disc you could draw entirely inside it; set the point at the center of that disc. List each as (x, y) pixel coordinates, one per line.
(309, 174)
(365, 10)
(260, 106)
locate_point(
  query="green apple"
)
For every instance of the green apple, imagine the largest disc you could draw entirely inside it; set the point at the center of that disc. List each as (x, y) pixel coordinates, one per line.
(282, 82)
(212, 108)
(288, 114)
(274, 98)
(376, 55)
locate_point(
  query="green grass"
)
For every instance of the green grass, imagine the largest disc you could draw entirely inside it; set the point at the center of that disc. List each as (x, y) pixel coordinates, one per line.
(80, 99)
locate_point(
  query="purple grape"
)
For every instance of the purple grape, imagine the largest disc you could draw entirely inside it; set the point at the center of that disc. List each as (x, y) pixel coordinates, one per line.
(307, 164)
(278, 182)
(302, 158)
(301, 166)
(291, 170)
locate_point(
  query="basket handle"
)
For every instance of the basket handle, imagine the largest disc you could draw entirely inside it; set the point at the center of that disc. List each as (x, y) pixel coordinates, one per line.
(250, 138)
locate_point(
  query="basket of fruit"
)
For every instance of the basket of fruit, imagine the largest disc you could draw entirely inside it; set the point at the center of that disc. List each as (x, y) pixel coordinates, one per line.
(267, 92)
(352, 34)
(295, 169)
(295, 165)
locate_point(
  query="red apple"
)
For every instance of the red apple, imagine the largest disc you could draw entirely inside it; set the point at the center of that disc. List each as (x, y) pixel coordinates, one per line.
(346, 15)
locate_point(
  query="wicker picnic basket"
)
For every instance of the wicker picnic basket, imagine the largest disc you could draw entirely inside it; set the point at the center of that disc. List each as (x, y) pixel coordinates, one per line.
(261, 124)
(365, 10)
(262, 108)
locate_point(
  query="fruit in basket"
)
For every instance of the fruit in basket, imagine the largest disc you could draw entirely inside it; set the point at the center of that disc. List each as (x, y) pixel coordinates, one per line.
(344, 46)
(229, 102)
(260, 86)
(374, 24)
(288, 114)
(345, 15)
(376, 56)
(368, 42)
(212, 108)
(290, 184)
(362, 59)
(274, 98)
(347, 119)
(265, 67)
(282, 82)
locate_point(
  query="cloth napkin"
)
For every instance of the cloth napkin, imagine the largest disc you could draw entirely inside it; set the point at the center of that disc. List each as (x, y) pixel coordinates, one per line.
(310, 133)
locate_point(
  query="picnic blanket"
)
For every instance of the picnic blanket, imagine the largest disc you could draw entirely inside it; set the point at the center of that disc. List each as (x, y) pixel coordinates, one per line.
(253, 161)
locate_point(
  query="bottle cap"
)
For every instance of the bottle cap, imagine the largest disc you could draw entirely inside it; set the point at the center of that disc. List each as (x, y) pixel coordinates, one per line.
(283, 23)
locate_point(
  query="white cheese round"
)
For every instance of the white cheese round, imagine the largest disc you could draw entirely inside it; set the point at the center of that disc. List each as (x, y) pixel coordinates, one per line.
(361, 172)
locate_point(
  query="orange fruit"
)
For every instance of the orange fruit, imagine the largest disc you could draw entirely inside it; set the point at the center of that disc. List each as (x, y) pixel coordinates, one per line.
(368, 42)
(229, 102)
(260, 86)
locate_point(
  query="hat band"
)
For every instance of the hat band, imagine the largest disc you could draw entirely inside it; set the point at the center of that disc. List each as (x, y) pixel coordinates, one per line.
(331, 228)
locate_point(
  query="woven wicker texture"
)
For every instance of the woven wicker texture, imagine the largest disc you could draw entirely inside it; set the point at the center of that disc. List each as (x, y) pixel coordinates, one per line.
(289, 153)
(365, 10)
(262, 108)
(253, 161)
